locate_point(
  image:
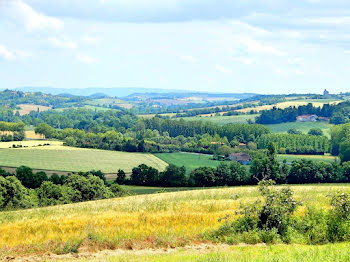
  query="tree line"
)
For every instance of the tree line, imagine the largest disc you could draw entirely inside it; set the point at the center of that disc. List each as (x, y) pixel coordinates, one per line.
(264, 166)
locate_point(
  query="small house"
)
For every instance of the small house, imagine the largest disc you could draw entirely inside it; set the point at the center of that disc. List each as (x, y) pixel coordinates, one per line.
(307, 118)
(242, 158)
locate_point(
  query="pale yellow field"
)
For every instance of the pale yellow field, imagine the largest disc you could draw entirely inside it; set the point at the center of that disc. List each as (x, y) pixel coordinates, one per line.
(158, 220)
(284, 105)
(25, 109)
(31, 135)
(31, 143)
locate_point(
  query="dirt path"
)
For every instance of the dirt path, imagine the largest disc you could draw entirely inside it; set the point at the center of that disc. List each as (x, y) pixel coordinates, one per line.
(200, 248)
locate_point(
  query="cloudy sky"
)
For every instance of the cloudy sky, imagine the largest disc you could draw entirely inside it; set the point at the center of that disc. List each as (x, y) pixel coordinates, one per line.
(263, 46)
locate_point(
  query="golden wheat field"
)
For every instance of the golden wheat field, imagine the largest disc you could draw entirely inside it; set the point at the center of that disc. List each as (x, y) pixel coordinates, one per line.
(147, 221)
(283, 105)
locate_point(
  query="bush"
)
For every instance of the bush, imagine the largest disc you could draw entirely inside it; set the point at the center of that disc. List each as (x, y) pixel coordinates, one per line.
(117, 190)
(13, 194)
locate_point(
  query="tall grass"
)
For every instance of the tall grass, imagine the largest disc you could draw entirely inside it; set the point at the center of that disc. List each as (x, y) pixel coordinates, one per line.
(158, 220)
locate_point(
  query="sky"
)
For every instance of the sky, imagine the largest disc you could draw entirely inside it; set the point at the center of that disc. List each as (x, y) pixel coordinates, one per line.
(260, 46)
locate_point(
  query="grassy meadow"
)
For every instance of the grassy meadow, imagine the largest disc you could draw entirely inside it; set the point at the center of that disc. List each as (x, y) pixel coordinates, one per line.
(301, 126)
(189, 160)
(138, 222)
(61, 158)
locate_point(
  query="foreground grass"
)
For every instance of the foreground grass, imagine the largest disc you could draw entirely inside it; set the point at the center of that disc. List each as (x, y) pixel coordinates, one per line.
(287, 253)
(61, 158)
(144, 221)
(189, 160)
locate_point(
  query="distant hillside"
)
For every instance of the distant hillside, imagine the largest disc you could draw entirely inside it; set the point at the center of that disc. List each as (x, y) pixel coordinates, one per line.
(119, 92)
(202, 95)
(131, 92)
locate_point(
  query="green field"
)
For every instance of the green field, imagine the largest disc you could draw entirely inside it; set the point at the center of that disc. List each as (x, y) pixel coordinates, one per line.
(301, 126)
(61, 158)
(317, 158)
(222, 120)
(189, 160)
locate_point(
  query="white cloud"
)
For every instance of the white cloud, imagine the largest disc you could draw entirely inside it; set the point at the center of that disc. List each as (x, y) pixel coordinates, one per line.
(12, 54)
(5, 53)
(86, 59)
(32, 19)
(188, 58)
(245, 27)
(62, 43)
(89, 40)
(222, 69)
(254, 46)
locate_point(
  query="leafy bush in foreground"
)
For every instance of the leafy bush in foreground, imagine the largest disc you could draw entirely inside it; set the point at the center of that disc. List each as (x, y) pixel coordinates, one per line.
(272, 220)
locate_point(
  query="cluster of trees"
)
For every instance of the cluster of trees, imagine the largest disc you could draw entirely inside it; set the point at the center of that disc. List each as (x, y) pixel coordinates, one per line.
(26, 189)
(11, 131)
(144, 140)
(83, 119)
(295, 143)
(231, 174)
(340, 141)
(338, 113)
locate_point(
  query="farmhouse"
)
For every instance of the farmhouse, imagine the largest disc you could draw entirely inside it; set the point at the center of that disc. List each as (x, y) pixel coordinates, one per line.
(307, 118)
(242, 158)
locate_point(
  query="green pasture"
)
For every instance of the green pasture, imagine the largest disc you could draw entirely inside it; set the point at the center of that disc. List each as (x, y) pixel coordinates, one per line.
(301, 126)
(189, 160)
